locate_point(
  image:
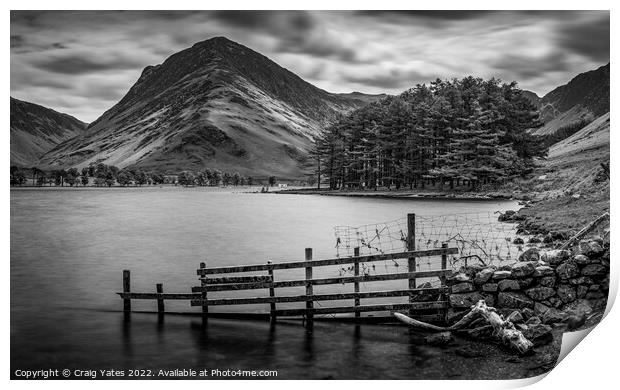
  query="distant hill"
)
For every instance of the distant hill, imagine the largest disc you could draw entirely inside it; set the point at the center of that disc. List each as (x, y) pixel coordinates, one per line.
(363, 97)
(532, 97)
(36, 129)
(585, 97)
(217, 104)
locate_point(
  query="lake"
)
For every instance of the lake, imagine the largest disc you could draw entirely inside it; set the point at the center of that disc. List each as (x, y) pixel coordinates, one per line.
(69, 247)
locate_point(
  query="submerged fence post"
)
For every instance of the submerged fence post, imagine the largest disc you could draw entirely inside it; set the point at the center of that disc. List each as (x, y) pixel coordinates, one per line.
(272, 293)
(126, 290)
(309, 292)
(159, 287)
(411, 262)
(356, 284)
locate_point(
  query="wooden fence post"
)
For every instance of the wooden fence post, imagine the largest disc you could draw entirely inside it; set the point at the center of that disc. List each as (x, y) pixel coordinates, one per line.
(309, 290)
(411, 262)
(272, 293)
(444, 265)
(126, 289)
(203, 283)
(159, 287)
(356, 284)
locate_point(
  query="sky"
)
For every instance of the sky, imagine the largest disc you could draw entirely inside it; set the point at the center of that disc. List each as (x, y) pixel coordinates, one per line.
(83, 62)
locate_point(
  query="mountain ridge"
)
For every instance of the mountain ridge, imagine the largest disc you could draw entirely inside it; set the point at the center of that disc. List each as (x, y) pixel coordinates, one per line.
(217, 104)
(35, 129)
(584, 98)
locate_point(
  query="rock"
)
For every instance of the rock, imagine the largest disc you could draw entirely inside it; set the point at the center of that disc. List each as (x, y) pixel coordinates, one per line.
(581, 259)
(515, 317)
(557, 235)
(548, 239)
(540, 309)
(540, 293)
(462, 287)
(539, 334)
(530, 254)
(598, 239)
(555, 257)
(489, 287)
(553, 316)
(594, 270)
(579, 306)
(442, 338)
(582, 280)
(508, 284)
(522, 269)
(595, 295)
(525, 283)
(555, 301)
(489, 299)
(461, 277)
(590, 248)
(518, 241)
(547, 281)
(567, 270)
(527, 313)
(581, 292)
(566, 293)
(535, 240)
(498, 275)
(543, 270)
(533, 321)
(483, 276)
(465, 300)
(513, 300)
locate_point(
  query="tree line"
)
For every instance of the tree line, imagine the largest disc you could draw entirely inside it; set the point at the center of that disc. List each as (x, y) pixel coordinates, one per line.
(466, 132)
(102, 175)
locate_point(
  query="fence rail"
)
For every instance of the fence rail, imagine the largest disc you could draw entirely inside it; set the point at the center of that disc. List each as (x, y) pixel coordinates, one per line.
(425, 302)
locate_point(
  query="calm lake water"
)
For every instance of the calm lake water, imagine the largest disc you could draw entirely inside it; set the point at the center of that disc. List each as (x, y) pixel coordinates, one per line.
(69, 247)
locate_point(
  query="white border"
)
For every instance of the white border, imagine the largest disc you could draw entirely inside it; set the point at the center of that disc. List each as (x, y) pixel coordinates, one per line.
(592, 364)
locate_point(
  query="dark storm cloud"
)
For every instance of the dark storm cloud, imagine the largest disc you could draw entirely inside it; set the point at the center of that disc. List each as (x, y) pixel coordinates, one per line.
(526, 66)
(16, 41)
(590, 38)
(80, 65)
(83, 62)
(295, 31)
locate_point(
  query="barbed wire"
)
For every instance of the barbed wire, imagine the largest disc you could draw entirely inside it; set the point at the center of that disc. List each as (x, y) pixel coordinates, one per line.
(478, 236)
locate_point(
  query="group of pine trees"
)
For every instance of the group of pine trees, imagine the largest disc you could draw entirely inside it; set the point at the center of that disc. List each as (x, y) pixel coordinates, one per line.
(466, 132)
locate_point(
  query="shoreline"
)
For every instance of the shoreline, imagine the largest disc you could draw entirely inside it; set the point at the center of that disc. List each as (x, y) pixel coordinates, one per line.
(409, 194)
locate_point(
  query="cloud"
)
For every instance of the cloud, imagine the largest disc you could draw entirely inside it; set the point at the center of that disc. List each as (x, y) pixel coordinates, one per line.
(589, 38)
(75, 64)
(389, 79)
(83, 62)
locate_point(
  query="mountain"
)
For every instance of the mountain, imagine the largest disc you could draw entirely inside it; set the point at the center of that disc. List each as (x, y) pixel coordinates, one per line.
(217, 104)
(36, 129)
(363, 98)
(532, 97)
(584, 98)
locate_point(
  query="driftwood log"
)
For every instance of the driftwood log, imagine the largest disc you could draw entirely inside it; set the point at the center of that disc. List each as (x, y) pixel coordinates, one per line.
(584, 231)
(503, 330)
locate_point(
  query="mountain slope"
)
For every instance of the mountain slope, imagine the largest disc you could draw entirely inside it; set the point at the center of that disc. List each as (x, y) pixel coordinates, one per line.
(36, 129)
(585, 97)
(217, 104)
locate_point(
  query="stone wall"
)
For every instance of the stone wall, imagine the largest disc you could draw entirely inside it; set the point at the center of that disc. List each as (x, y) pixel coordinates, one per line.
(546, 284)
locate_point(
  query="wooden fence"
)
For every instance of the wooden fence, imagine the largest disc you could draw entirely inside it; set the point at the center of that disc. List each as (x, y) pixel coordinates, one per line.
(213, 279)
